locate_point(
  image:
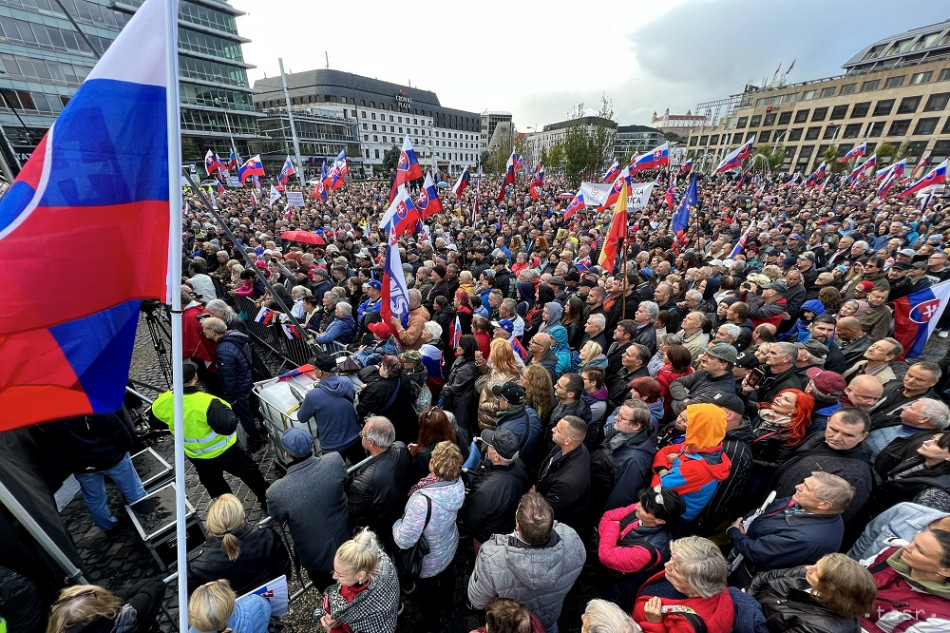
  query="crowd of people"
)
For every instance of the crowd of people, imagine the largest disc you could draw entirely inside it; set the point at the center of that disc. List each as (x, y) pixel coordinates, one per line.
(720, 440)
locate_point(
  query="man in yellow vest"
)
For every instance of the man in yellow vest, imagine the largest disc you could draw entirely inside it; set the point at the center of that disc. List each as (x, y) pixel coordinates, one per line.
(211, 439)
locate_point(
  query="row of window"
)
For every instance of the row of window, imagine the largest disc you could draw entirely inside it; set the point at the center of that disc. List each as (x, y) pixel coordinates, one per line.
(416, 131)
(209, 45)
(83, 11)
(874, 129)
(908, 45)
(376, 154)
(307, 129)
(49, 37)
(205, 70)
(205, 16)
(32, 68)
(32, 102)
(215, 97)
(916, 79)
(209, 121)
(398, 141)
(441, 119)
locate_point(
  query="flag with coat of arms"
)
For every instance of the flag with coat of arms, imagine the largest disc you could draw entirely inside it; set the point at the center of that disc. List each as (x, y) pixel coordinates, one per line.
(916, 317)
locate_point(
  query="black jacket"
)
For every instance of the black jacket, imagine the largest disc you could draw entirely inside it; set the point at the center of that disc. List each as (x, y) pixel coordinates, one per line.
(565, 482)
(377, 491)
(789, 606)
(646, 335)
(491, 502)
(392, 398)
(88, 443)
(618, 312)
(460, 396)
(263, 557)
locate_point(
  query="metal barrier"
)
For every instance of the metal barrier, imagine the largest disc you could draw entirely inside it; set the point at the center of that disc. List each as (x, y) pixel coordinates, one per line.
(294, 352)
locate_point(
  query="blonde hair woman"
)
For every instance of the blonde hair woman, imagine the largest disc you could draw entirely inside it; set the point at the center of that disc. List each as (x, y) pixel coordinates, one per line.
(503, 368)
(94, 608)
(213, 607)
(365, 597)
(245, 555)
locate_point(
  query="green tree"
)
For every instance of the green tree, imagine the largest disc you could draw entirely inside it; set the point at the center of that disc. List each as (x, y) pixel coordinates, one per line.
(902, 150)
(885, 151)
(775, 156)
(830, 156)
(485, 157)
(556, 155)
(543, 156)
(587, 148)
(391, 158)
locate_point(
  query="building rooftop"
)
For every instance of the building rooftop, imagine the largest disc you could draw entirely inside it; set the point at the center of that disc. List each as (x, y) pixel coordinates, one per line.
(587, 120)
(926, 43)
(637, 128)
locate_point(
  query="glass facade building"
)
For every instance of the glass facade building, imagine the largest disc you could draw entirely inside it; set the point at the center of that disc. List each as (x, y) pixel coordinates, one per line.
(43, 59)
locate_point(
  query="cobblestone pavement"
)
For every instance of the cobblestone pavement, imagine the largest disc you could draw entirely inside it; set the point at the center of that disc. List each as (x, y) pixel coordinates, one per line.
(122, 561)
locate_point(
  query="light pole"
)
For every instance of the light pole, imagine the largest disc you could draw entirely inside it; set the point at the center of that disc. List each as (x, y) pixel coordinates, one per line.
(227, 122)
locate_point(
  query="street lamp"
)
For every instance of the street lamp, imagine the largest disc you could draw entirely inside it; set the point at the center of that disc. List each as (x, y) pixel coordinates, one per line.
(227, 122)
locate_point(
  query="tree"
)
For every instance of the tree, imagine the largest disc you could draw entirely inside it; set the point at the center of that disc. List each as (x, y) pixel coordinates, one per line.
(774, 155)
(673, 137)
(485, 157)
(391, 158)
(587, 148)
(556, 155)
(902, 150)
(830, 156)
(543, 156)
(885, 151)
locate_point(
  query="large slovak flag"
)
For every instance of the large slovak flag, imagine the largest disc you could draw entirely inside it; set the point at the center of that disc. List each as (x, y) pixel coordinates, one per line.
(395, 292)
(920, 167)
(234, 161)
(612, 172)
(686, 167)
(614, 194)
(817, 175)
(252, 167)
(402, 216)
(459, 187)
(742, 241)
(407, 169)
(654, 159)
(897, 168)
(576, 205)
(857, 150)
(509, 177)
(212, 163)
(428, 202)
(938, 176)
(916, 317)
(286, 171)
(68, 352)
(734, 159)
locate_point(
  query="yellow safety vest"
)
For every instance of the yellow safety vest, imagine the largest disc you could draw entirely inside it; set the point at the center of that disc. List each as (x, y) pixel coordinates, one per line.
(201, 441)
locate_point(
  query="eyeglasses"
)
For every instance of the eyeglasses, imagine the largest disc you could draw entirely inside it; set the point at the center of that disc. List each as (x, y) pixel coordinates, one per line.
(658, 489)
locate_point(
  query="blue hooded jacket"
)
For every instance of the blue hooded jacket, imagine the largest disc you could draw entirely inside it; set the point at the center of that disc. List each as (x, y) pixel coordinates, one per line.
(800, 332)
(330, 406)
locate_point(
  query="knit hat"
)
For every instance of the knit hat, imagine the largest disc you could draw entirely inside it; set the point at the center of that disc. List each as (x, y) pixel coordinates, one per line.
(705, 426)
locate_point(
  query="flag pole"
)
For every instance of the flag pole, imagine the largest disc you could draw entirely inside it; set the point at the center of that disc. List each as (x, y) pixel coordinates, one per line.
(293, 128)
(173, 125)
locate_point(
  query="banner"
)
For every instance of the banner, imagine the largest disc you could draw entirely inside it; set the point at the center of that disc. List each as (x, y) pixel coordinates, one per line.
(295, 199)
(234, 182)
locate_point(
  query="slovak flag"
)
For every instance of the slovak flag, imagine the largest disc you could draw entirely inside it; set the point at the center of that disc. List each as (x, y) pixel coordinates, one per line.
(613, 172)
(340, 164)
(290, 331)
(286, 171)
(817, 175)
(518, 348)
(576, 205)
(428, 202)
(538, 176)
(509, 177)
(896, 168)
(402, 216)
(67, 353)
(857, 150)
(734, 159)
(252, 167)
(742, 241)
(938, 176)
(858, 172)
(921, 165)
(686, 167)
(821, 187)
(319, 191)
(459, 188)
(265, 315)
(234, 161)
(886, 185)
(519, 163)
(654, 159)
(212, 164)
(395, 292)
(916, 317)
(456, 334)
(634, 158)
(407, 169)
(671, 196)
(614, 194)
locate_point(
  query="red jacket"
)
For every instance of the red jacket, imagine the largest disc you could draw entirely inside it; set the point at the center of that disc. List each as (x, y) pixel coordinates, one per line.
(895, 594)
(717, 612)
(193, 344)
(665, 376)
(619, 557)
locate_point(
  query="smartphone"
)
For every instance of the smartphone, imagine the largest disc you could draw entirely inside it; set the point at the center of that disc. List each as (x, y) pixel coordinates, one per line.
(755, 377)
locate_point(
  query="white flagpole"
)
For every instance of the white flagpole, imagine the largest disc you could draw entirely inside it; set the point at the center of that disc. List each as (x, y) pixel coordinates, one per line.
(173, 123)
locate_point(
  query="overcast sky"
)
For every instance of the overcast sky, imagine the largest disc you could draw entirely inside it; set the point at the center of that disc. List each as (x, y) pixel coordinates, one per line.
(538, 60)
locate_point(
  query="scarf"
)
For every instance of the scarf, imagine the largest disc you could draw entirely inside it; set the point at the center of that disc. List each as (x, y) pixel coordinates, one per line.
(428, 480)
(769, 416)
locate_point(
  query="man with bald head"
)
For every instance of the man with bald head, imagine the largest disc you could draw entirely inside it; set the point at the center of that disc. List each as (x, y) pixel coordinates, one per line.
(863, 392)
(540, 348)
(852, 340)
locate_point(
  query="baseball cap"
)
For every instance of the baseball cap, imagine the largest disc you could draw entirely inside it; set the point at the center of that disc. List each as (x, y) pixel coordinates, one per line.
(907, 252)
(901, 266)
(381, 330)
(865, 286)
(504, 324)
(723, 351)
(829, 383)
(324, 362)
(716, 262)
(747, 360)
(920, 265)
(795, 236)
(646, 273)
(318, 270)
(512, 392)
(775, 285)
(372, 283)
(503, 441)
(557, 280)
(297, 442)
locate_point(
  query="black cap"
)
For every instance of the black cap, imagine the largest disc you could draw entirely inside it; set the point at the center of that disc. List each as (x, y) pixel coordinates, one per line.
(503, 441)
(512, 392)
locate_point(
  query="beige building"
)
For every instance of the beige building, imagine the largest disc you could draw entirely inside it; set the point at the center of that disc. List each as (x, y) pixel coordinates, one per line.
(897, 91)
(679, 124)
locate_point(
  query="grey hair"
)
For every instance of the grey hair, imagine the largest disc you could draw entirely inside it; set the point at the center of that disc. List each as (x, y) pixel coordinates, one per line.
(786, 349)
(833, 489)
(651, 308)
(818, 361)
(933, 368)
(731, 329)
(694, 294)
(220, 306)
(215, 324)
(598, 319)
(671, 339)
(896, 347)
(344, 307)
(861, 244)
(702, 564)
(303, 290)
(606, 617)
(434, 329)
(379, 429)
(936, 411)
(415, 295)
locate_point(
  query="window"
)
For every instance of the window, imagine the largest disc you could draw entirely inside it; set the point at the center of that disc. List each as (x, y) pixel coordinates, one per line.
(831, 132)
(838, 112)
(946, 127)
(703, 140)
(876, 128)
(819, 114)
(908, 105)
(785, 118)
(920, 78)
(812, 133)
(883, 107)
(899, 127)
(867, 86)
(926, 126)
(764, 136)
(848, 89)
(801, 116)
(852, 131)
(808, 95)
(756, 121)
(860, 109)
(894, 82)
(693, 141)
(795, 134)
(944, 75)
(737, 137)
(828, 92)
(937, 102)
(376, 152)
(770, 118)
(742, 122)
(714, 139)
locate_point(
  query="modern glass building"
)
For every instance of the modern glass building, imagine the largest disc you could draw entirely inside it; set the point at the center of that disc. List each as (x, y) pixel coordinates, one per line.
(43, 59)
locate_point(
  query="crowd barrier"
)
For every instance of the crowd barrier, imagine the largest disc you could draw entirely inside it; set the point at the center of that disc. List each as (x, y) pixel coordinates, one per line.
(290, 351)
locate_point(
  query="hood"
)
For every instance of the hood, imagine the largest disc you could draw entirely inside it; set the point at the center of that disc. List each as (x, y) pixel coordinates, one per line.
(526, 292)
(706, 426)
(447, 494)
(599, 395)
(559, 334)
(554, 312)
(533, 567)
(814, 305)
(657, 407)
(337, 386)
(902, 568)
(233, 336)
